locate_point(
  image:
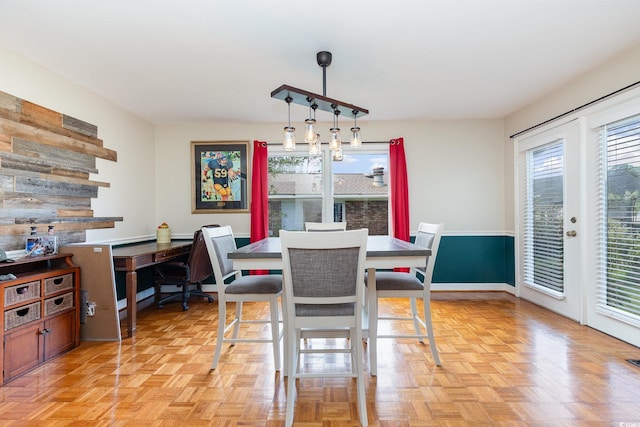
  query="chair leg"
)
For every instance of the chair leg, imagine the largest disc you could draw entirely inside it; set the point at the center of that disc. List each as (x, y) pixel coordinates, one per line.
(293, 358)
(414, 316)
(373, 322)
(429, 327)
(285, 339)
(185, 297)
(238, 317)
(222, 322)
(356, 343)
(275, 330)
(197, 292)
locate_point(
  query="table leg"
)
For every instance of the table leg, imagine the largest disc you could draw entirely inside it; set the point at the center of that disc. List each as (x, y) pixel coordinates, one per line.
(132, 285)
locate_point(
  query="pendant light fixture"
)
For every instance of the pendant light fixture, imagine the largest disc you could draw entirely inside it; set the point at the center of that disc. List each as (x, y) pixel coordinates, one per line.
(356, 138)
(314, 101)
(335, 140)
(289, 143)
(310, 132)
(314, 147)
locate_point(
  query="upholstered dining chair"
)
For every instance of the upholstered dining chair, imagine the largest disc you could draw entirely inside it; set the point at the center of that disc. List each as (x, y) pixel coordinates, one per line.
(323, 291)
(413, 285)
(188, 275)
(325, 226)
(233, 287)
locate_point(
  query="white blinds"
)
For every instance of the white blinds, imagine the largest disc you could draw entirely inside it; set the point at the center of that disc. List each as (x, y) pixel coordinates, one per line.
(543, 217)
(619, 263)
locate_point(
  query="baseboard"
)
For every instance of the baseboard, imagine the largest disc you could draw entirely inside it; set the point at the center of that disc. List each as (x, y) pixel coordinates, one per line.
(473, 287)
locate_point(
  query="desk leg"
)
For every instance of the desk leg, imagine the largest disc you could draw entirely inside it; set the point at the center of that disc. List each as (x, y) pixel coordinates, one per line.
(132, 285)
(373, 321)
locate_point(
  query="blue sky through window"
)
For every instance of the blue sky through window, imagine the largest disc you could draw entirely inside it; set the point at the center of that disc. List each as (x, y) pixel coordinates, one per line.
(361, 163)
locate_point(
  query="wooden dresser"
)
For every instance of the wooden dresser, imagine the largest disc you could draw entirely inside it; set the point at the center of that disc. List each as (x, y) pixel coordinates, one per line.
(41, 316)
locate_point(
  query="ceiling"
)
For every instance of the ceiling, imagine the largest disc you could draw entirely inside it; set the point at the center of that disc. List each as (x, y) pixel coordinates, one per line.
(204, 60)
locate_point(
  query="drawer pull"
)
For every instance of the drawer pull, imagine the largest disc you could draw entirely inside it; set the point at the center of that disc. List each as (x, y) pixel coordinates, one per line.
(58, 301)
(21, 290)
(58, 280)
(22, 312)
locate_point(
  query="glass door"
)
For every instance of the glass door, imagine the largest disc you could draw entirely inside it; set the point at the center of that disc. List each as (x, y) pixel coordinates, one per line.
(549, 220)
(614, 237)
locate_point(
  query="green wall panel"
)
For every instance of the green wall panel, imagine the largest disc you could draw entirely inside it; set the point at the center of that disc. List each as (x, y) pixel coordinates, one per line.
(475, 259)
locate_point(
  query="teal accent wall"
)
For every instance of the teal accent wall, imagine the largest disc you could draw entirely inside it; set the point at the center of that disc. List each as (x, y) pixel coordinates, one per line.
(475, 259)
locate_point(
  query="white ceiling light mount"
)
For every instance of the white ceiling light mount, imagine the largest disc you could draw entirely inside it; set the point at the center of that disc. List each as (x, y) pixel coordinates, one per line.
(322, 102)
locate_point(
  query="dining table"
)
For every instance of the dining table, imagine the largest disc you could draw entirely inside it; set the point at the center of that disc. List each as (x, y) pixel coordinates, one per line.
(383, 252)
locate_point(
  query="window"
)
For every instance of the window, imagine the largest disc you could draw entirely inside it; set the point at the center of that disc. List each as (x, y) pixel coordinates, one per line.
(358, 190)
(543, 217)
(620, 166)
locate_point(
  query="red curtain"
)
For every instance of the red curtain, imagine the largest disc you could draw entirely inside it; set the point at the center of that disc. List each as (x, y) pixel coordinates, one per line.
(399, 192)
(259, 192)
(259, 195)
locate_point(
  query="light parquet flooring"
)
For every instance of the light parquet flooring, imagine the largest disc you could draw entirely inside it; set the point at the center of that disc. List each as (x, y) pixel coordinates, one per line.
(504, 362)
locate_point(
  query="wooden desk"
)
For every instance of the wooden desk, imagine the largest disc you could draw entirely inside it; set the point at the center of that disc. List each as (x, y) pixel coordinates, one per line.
(133, 257)
(384, 252)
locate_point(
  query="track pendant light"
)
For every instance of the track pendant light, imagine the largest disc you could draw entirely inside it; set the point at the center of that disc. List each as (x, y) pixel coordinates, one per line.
(289, 143)
(310, 131)
(335, 140)
(315, 101)
(314, 147)
(356, 138)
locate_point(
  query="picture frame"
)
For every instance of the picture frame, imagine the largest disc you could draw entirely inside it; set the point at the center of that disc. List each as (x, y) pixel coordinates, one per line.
(220, 177)
(41, 245)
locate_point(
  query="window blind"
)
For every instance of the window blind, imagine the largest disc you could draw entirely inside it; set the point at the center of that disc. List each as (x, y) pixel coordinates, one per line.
(543, 217)
(619, 233)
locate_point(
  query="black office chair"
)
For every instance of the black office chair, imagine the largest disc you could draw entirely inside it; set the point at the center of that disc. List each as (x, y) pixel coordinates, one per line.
(188, 274)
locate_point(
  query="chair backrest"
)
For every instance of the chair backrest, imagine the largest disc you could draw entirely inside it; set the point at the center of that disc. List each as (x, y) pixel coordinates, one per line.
(428, 236)
(198, 261)
(323, 273)
(325, 226)
(219, 242)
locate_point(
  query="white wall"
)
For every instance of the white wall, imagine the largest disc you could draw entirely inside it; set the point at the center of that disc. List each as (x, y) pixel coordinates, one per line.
(455, 168)
(620, 71)
(132, 179)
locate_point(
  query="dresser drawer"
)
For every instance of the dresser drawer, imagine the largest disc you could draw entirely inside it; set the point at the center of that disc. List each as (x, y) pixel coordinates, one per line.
(18, 293)
(57, 304)
(21, 315)
(58, 284)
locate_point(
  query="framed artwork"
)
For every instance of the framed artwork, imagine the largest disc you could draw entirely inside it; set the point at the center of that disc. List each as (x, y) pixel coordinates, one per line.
(220, 174)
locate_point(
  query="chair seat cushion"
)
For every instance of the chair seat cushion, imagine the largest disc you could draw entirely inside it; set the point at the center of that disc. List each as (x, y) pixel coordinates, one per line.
(394, 281)
(258, 284)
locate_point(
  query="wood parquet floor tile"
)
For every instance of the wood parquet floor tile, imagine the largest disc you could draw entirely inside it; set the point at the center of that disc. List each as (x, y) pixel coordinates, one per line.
(505, 362)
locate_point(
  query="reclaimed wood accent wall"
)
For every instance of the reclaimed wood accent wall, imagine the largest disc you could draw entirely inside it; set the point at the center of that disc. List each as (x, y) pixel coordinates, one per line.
(45, 161)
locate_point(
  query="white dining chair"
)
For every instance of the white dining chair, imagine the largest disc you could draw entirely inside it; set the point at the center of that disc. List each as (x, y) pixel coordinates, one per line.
(413, 285)
(254, 288)
(325, 226)
(323, 291)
